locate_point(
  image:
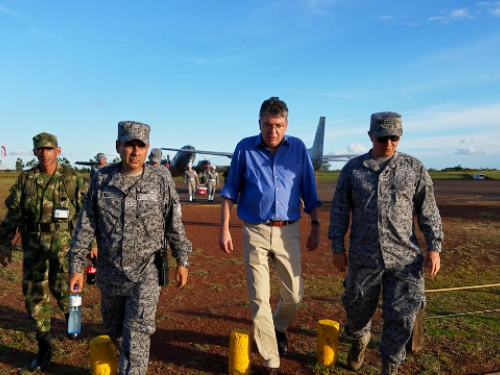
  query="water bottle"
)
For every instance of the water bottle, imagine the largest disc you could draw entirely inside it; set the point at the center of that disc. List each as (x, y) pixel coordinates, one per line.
(75, 314)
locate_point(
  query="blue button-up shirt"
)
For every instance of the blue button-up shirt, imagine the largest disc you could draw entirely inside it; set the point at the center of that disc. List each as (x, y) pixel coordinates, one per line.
(268, 187)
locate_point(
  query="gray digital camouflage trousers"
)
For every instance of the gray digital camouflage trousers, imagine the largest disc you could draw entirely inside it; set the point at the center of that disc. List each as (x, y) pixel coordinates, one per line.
(402, 297)
(130, 321)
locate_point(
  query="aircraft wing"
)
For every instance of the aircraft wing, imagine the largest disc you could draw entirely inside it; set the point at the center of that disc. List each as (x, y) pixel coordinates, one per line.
(86, 163)
(338, 157)
(218, 153)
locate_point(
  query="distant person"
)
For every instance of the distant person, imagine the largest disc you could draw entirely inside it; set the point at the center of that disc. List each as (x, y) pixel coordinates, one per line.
(131, 208)
(155, 157)
(269, 173)
(43, 204)
(101, 162)
(212, 182)
(382, 189)
(191, 181)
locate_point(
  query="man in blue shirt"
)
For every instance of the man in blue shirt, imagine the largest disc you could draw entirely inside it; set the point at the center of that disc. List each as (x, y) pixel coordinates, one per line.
(269, 174)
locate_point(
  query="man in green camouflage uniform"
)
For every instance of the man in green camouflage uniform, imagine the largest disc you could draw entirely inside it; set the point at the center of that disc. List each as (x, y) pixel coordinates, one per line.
(43, 205)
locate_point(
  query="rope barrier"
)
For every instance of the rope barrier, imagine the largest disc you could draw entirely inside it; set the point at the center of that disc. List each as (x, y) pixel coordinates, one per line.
(462, 288)
(462, 314)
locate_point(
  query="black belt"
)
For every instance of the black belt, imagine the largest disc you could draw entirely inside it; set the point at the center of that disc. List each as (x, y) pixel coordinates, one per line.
(48, 227)
(279, 223)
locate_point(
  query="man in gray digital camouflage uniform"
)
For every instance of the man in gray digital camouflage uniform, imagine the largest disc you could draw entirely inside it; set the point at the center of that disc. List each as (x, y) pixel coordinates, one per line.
(212, 182)
(155, 157)
(101, 162)
(382, 189)
(130, 207)
(191, 181)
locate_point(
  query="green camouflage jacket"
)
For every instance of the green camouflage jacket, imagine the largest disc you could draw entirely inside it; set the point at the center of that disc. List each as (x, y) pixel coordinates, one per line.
(31, 203)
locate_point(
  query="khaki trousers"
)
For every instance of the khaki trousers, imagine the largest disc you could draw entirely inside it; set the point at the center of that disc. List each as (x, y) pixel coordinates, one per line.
(281, 246)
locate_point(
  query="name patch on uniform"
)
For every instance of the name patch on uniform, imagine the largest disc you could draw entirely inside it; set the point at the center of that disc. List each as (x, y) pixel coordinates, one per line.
(359, 175)
(147, 197)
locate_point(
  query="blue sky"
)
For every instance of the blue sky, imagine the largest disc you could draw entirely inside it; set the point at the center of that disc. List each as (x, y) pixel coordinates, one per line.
(198, 71)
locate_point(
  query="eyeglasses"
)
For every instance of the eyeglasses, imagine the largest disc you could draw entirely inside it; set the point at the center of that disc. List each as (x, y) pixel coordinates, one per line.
(270, 127)
(393, 138)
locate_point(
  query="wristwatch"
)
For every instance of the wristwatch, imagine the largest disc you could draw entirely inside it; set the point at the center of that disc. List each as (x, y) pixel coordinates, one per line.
(315, 222)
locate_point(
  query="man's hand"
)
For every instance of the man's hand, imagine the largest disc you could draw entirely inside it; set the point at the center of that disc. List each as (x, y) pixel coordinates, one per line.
(433, 262)
(4, 256)
(225, 241)
(181, 276)
(340, 261)
(92, 254)
(313, 239)
(75, 282)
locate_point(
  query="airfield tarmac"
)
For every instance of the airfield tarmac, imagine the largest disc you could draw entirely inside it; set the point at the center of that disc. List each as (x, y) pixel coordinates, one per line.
(444, 191)
(193, 324)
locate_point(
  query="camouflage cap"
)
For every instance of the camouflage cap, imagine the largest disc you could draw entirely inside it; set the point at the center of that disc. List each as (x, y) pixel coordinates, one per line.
(386, 123)
(130, 130)
(155, 155)
(100, 156)
(45, 140)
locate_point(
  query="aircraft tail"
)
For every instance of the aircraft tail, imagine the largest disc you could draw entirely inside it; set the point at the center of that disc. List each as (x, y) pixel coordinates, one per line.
(316, 151)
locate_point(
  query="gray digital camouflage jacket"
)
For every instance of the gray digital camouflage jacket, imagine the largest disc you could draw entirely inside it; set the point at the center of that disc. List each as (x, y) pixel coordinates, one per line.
(383, 203)
(130, 228)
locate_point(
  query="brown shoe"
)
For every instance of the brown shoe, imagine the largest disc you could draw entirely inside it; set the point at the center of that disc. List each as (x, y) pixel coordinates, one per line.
(389, 368)
(357, 352)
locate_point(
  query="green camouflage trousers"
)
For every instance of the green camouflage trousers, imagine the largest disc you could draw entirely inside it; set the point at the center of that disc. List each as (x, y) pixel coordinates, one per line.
(42, 276)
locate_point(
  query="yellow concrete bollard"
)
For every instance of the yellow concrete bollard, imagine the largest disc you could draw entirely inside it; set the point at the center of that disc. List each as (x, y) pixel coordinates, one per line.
(102, 356)
(240, 352)
(328, 342)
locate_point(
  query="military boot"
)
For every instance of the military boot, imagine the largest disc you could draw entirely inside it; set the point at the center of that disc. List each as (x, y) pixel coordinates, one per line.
(44, 351)
(357, 351)
(389, 368)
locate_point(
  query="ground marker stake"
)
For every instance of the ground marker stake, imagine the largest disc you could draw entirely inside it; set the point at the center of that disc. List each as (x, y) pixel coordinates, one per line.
(328, 342)
(240, 352)
(102, 356)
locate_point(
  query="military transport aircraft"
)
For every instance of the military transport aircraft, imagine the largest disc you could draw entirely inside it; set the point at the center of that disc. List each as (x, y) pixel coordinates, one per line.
(187, 153)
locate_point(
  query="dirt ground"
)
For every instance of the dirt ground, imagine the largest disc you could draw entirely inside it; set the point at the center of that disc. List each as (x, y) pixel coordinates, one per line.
(193, 324)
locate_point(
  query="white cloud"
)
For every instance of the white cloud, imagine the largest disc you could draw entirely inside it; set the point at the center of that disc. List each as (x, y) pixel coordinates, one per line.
(353, 148)
(466, 140)
(468, 151)
(20, 151)
(439, 119)
(356, 148)
(9, 12)
(459, 13)
(41, 33)
(437, 18)
(447, 16)
(385, 18)
(319, 7)
(495, 12)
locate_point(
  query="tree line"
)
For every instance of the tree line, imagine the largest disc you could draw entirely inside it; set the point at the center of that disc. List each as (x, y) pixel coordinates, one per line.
(20, 166)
